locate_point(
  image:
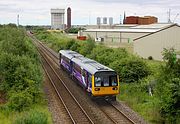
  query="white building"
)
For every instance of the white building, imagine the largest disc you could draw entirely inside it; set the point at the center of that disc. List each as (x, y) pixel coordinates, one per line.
(153, 44)
(146, 40)
(57, 19)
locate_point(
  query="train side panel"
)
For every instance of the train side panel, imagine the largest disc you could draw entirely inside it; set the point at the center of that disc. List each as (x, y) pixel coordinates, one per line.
(65, 62)
(79, 74)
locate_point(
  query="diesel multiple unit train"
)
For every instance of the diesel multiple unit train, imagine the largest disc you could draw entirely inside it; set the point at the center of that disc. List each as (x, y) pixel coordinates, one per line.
(97, 79)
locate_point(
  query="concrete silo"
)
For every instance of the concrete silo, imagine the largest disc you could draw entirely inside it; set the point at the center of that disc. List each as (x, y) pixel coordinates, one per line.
(98, 20)
(104, 20)
(110, 21)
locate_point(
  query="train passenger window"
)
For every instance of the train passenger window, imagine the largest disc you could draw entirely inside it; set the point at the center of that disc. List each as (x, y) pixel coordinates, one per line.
(106, 81)
(113, 80)
(77, 68)
(98, 81)
(83, 72)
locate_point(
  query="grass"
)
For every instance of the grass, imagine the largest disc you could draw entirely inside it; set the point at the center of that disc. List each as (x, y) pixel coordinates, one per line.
(36, 115)
(136, 95)
(140, 101)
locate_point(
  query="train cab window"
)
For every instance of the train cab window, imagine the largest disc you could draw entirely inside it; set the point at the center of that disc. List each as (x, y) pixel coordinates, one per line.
(101, 81)
(98, 81)
(105, 81)
(113, 80)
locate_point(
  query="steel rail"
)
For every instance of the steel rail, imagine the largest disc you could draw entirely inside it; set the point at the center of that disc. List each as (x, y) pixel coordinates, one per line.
(68, 91)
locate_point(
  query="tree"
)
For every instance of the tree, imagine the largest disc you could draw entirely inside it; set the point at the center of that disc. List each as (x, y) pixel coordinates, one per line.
(168, 87)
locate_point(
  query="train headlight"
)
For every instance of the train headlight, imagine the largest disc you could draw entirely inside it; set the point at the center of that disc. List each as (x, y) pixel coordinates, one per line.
(115, 88)
(97, 89)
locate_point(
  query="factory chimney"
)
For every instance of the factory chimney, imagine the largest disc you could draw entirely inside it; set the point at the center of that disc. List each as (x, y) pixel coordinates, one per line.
(69, 17)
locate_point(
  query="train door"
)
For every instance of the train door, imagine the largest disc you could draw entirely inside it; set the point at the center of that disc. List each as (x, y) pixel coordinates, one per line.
(84, 77)
(89, 82)
(71, 66)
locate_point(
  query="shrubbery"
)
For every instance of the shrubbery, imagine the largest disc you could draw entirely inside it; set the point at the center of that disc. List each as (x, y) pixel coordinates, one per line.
(131, 69)
(168, 87)
(33, 117)
(20, 69)
(73, 30)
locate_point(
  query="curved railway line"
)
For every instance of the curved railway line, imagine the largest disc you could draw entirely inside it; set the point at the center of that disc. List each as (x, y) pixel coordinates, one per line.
(75, 111)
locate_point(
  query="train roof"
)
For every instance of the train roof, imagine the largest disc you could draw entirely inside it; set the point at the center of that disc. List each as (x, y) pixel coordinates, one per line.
(86, 63)
(70, 54)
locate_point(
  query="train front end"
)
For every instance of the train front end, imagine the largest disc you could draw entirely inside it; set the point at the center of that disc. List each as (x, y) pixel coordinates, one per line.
(106, 84)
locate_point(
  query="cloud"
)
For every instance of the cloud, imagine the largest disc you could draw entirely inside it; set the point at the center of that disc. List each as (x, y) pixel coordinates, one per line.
(84, 11)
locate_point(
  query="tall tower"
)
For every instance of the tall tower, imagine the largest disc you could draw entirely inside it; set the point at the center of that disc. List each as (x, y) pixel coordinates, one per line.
(57, 19)
(124, 20)
(69, 17)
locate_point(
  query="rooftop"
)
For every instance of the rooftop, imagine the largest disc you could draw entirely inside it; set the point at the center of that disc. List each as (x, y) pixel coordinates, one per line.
(123, 30)
(153, 26)
(136, 28)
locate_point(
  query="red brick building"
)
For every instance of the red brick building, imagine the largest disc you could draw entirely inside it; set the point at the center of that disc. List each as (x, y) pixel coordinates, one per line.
(141, 20)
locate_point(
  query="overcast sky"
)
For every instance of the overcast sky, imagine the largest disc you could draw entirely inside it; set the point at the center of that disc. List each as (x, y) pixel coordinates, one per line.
(37, 12)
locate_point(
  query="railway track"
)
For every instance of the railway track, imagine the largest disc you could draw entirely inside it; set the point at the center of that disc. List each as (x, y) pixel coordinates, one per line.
(113, 113)
(76, 113)
(73, 108)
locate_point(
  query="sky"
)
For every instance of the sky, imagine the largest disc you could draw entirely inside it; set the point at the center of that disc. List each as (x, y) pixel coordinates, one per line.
(37, 12)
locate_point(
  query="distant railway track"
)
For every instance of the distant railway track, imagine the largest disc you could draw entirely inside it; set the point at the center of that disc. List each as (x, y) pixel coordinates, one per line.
(111, 111)
(76, 113)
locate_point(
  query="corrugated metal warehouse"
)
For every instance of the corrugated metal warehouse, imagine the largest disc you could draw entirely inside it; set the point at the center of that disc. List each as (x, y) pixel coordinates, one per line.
(152, 44)
(117, 35)
(146, 40)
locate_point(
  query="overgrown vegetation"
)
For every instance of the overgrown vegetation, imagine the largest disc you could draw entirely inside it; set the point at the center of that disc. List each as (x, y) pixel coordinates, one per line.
(73, 30)
(149, 87)
(20, 75)
(118, 59)
(168, 87)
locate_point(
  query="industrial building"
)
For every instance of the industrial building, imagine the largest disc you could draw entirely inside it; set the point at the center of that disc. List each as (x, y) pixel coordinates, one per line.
(140, 20)
(57, 19)
(153, 43)
(145, 40)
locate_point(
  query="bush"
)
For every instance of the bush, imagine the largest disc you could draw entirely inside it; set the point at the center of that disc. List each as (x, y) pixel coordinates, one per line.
(168, 87)
(150, 58)
(73, 30)
(33, 117)
(20, 74)
(19, 100)
(87, 47)
(130, 69)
